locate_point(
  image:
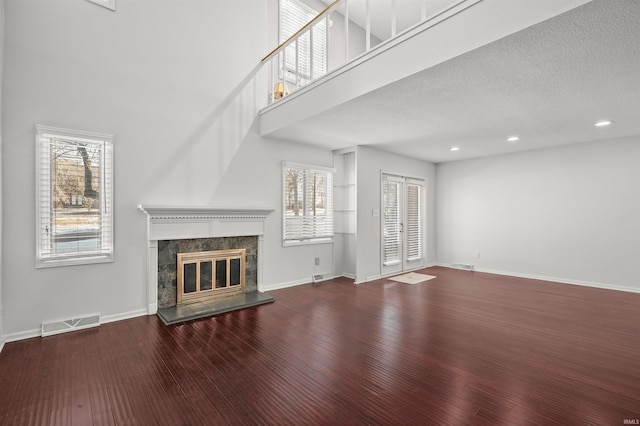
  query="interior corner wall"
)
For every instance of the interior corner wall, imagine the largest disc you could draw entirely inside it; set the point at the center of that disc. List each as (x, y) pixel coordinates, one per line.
(1, 191)
(160, 75)
(254, 179)
(371, 163)
(569, 214)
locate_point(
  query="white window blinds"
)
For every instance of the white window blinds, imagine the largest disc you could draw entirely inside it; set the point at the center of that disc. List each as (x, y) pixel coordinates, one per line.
(414, 228)
(74, 197)
(403, 220)
(392, 217)
(307, 203)
(310, 62)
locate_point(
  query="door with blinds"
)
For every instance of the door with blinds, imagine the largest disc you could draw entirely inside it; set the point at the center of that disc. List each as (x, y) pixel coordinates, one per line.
(402, 224)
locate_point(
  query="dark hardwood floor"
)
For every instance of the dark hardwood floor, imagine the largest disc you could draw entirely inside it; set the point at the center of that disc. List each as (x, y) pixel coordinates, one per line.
(464, 348)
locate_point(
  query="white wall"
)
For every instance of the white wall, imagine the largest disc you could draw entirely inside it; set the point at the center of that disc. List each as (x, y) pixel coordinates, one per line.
(1, 68)
(569, 214)
(254, 178)
(370, 163)
(171, 81)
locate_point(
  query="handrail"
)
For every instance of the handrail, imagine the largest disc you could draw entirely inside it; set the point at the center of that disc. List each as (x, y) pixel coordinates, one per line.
(294, 65)
(294, 35)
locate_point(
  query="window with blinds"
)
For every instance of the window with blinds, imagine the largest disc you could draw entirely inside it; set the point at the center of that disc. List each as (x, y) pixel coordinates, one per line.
(402, 221)
(310, 62)
(414, 221)
(74, 197)
(392, 217)
(307, 204)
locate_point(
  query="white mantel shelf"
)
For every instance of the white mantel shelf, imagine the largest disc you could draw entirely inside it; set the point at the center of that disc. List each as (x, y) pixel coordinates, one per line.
(177, 222)
(185, 222)
(160, 212)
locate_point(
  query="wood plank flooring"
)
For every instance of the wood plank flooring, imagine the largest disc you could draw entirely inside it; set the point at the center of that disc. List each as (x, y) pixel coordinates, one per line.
(463, 348)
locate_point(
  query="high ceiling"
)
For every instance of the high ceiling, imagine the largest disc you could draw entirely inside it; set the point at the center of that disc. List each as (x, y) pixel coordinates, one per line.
(548, 84)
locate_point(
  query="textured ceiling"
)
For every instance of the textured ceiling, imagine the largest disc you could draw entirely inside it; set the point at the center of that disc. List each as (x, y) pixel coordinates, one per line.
(548, 84)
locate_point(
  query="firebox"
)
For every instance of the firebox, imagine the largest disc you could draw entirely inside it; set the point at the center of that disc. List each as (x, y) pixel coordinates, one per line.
(210, 274)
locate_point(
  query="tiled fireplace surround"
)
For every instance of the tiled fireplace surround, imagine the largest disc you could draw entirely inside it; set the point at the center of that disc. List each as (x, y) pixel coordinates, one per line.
(167, 224)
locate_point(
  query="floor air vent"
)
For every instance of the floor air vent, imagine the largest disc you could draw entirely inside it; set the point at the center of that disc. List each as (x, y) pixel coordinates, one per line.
(57, 327)
(316, 278)
(464, 266)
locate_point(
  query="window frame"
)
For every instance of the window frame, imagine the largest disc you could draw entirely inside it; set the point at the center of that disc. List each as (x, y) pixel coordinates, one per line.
(330, 213)
(318, 63)
(43, 139)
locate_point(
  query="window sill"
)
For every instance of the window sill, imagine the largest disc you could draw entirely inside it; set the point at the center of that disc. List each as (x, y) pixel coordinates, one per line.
(73, 261)
(307, 242)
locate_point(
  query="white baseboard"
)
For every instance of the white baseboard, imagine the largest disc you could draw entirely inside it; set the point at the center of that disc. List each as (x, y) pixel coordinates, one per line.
(288, 284)
(123, 316)
(368, 279)
(346, 275)
(553, 279)
(152, 309)
(28, 334)
(21, 335)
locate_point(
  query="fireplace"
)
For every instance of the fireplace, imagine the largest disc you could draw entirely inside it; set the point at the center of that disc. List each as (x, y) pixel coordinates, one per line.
(185, 230)
(169, 269)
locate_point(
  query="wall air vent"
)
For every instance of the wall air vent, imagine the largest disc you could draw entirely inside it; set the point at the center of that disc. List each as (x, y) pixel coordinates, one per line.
(57, 327)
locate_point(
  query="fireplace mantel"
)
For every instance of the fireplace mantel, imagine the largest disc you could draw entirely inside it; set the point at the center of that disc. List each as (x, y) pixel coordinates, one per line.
(184, 222)
(177, 222)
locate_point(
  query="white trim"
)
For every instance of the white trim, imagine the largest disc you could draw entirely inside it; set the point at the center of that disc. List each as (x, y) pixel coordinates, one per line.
(22, 335)
(72, 134)
(293, 243)
(347, 150)
(74, 261)
(373, 278)
(288, 284)
(189, 212)
(294, 165)
(552, 279)
(346, 275)
(123, 316)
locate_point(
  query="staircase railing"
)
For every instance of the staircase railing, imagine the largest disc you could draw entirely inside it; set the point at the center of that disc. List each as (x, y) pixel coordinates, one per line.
(342, 32)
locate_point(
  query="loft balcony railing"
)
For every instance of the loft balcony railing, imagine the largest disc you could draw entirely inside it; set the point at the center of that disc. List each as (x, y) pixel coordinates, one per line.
(341, 33)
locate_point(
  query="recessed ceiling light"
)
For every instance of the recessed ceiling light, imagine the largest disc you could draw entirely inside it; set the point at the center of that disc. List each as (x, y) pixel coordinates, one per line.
(454, 148)
(513, 139)
(603, 123)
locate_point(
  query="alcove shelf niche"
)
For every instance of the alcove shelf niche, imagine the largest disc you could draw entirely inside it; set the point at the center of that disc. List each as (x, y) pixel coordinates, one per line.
(344, 193)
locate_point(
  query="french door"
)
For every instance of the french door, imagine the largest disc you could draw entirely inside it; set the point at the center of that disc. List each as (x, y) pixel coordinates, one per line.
(402, 224)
